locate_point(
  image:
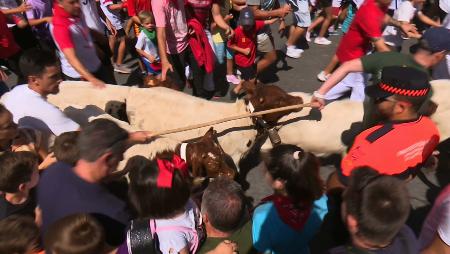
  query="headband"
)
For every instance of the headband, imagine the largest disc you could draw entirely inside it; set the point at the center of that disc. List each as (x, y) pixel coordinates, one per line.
(401, 91)
(166, 169)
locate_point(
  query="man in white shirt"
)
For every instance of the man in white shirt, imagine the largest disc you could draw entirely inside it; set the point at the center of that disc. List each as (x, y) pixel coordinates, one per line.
(28, 103)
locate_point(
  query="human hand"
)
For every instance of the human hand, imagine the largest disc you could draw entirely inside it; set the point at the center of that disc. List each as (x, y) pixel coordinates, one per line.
(141, 136)
(318, 100)
(97, 83)
(165, 66)
(225, 247)
(49, 160)
(408, 28)
(48, 19)
(246, 51)
(228, 17)
(24, 7)
(3, 75)
(229, 32)
(285, 10)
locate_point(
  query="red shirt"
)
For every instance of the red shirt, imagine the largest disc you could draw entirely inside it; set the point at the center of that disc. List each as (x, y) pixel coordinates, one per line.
(8, 46)
(393, 148)
(367, 24)
(246, 40)
(136, 6)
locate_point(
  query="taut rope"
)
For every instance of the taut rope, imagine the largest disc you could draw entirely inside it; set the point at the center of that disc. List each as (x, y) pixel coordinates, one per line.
(231, 118)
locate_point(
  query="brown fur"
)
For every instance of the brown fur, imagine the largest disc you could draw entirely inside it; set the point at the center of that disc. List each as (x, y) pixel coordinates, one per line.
(152, 81)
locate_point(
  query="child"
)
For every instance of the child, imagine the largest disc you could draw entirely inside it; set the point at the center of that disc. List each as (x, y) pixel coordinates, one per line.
(288, 219)
(66, 149)
(18, 235)
(18, 176)
(243, 43)
(112, 13)
(405, 13)
(160, 191)
(75, 234)
(147, 44)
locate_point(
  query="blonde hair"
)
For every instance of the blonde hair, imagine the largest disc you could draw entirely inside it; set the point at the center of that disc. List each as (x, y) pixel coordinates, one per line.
(145, 16)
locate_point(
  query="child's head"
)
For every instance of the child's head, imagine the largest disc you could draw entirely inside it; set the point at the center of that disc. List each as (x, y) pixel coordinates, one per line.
(247, 19)
(18, 235)
(75, 234)
(158, 188)
(294, 172)
(18, 172)
(147, 20)
(66, 148)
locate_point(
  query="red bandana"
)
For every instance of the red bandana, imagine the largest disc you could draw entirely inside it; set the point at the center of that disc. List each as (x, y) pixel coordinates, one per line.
(289, 213)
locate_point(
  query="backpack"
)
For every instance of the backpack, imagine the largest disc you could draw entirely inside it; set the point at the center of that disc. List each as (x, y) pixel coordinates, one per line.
(142, 237)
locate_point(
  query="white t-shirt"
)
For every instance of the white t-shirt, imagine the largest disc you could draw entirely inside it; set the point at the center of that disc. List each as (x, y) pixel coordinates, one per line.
(31, 110)
(112, 15)
(437, 221)
(144, 43)
(392, 35)
(90, 14)
(177, 240)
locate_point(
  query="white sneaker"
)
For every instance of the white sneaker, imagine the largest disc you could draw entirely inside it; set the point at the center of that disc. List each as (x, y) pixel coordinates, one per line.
(293, 52)
(322, 41)
(308, 36)
(322, 76)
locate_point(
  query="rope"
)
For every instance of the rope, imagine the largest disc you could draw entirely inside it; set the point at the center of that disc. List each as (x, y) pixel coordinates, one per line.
(231, 118)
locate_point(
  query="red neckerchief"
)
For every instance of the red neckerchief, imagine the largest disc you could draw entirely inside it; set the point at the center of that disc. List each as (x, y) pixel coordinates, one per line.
(289, 213)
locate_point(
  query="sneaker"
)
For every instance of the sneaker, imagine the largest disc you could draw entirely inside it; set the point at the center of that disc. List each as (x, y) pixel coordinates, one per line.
(322, 76)
(322, 41)
(233, 79)
(332, 31)
(120, 68)
(308, 36)
(293, 52)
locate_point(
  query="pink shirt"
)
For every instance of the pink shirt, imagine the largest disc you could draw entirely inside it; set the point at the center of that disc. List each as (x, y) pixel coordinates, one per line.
(171, 15)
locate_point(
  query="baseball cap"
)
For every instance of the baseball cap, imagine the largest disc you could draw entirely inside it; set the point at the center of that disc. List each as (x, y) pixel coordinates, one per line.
(246, 17)
(436, 39)
(398, 80)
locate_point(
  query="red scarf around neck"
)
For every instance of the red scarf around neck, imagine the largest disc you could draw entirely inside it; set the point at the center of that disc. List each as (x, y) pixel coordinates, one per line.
(291, 214)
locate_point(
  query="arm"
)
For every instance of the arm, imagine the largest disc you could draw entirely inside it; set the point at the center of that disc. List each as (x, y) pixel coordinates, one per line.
(239, 50)
(270, 21)
(142, 53)
(380, 44)
(22, 8)
(339, 74)
(219, 20)
(73, 60)
(165, 64)
(113, 7)
(405, 27)
(437, 247)
(35, 22)
(425, 19)
(280, 12)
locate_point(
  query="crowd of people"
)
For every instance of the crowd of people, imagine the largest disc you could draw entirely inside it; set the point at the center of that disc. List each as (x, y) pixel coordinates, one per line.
(60, 192)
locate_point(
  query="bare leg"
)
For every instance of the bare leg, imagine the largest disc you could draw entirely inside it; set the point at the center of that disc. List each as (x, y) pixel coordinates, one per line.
(230, 67)
(268, 59)
(327, 21)
(331, 65)
(316, 22)
(121, 51)
(112, 43)
(294, 35)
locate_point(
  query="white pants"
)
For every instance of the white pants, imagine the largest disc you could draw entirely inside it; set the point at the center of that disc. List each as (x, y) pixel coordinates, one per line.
(354, 82)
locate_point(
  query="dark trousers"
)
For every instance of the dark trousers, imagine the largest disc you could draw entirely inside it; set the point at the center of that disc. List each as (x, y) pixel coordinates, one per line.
(103, 73)
(179, 63)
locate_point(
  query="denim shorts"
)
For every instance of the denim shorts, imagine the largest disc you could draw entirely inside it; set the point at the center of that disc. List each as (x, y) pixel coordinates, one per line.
(221, 49)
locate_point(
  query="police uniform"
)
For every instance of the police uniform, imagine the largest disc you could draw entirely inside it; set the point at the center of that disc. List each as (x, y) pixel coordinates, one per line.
(394, 148)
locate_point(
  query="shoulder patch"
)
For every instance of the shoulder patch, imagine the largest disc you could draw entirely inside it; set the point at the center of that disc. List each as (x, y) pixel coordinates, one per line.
(380, 132)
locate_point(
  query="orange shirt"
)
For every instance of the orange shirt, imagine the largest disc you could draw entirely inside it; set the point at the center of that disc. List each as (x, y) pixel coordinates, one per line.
(393, 148)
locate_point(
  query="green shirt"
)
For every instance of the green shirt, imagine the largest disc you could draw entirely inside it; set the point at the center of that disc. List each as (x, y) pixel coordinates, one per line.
(375, 62)
(243, 238)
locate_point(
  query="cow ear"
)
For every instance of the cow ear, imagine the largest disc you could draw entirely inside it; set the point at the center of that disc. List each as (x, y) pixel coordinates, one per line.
(250, 88)
(209, 133)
